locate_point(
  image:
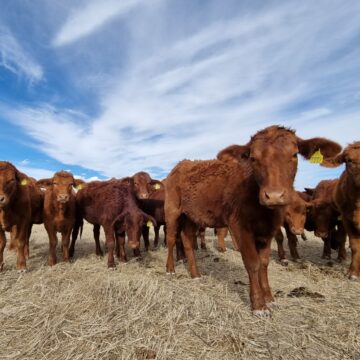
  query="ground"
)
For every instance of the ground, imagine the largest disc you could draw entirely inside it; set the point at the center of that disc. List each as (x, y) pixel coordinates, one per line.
(82, 310)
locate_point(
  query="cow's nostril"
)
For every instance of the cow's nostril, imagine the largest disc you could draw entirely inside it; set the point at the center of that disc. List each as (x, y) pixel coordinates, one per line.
(2, 198)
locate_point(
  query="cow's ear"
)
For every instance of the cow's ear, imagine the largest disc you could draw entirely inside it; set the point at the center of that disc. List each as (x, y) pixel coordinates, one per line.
(334, 161)
(320, 148)
(309, 191)
(127, 180)
(79, 184)
(44, 182)
(22, 178)
(120, 223)
(234, 153)
(156, 184)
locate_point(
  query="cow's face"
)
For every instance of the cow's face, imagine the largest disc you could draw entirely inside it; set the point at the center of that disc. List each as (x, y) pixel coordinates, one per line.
(144, 185)
(322, 214)
(273, 155)
(62, 185)
(8, 182)
(295, 214)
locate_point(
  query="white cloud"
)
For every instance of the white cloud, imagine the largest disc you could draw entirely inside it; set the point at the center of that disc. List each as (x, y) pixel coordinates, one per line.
(202, 90)
(15, 59)
(85, 20)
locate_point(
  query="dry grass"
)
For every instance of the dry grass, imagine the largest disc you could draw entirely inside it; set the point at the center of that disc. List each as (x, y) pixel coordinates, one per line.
(83, 311)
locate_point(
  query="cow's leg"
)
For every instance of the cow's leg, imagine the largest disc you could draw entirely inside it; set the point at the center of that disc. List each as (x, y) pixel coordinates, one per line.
(327, 248)
(52, 244)
(264, 249)
(96, 232)
(303, 236)
(279, 237)
(180, 251)
(354, 270)
(341, 237)
(145, 233)
(195, 244)
(65, 240)
(27, 245)
(12, 244)
(110, 244)
(156, 239)
(21, 238)
(202, 238)
(74, 235)
(120, 239)
(188, 236)
(221, 234)
(292, 242)
(251, 260)
(165, 243)
(2, 247)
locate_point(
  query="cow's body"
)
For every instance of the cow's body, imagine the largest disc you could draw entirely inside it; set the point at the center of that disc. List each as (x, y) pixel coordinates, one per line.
(247, 196)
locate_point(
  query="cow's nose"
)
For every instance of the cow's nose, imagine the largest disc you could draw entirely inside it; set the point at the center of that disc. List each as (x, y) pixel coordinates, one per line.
(63, 198)
(321, 234)
(133, 244)
(297, 231)
(144, 196)
(273, 197)
(2, 199)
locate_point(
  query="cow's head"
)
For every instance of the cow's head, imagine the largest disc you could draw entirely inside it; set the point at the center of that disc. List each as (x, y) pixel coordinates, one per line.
(144, 185)
(295, 213)
(132, 223)
(272, 154)
(61, 184)
(322, 215)
(351, 158)
(10, 179)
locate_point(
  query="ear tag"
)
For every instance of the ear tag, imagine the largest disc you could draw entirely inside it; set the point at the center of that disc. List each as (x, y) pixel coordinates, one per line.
(79, 187)
(149, 224)
(317, 157)
(23, 182)
(157, 186)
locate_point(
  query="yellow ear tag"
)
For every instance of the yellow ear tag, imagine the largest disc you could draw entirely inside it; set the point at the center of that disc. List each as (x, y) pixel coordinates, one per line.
(149, 224)
(157, 186)
(79, 187)
(317, 157)
(23, 182)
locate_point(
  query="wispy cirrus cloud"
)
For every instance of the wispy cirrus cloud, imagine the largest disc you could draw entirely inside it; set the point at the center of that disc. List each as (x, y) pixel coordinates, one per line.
(86, 19)
(186, 91)
(15, 59)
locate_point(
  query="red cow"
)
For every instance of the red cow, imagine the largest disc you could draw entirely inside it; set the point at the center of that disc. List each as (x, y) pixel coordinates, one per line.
(346, 197)
(59, 211)
(247, 196)
(15, 211)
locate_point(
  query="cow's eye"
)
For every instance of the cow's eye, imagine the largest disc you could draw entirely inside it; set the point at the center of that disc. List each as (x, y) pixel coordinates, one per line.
(348, 161)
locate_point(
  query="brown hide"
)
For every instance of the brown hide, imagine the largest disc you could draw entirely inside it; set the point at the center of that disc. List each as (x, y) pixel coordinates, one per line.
(15, 212)
(246, 195)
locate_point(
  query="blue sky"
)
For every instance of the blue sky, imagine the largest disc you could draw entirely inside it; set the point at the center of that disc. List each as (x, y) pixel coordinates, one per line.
(108, 88)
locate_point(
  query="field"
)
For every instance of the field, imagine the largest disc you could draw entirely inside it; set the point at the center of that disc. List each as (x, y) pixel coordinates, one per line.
(82, 310)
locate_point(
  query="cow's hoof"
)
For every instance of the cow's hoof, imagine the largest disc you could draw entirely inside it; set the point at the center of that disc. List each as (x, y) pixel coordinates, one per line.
(221, 249)
(284, 262)
(262, 314)
(111, 268)
(22, 271)
(2, 266)
(171, 273)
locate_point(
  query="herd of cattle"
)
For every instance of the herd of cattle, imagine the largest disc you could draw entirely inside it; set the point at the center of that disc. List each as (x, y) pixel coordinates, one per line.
(247, 190)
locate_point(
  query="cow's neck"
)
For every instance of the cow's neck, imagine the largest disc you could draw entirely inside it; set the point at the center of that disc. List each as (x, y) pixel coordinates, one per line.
(353, 192)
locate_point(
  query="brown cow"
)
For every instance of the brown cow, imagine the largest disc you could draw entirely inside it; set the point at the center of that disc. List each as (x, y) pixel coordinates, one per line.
(294, 223)
(59, 211)
(346, 197)
(15, 212)
(325, 218)
(113, 205)
(246, 195)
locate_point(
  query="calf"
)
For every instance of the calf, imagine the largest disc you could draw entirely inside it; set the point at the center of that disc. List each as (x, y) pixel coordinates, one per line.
(325, 218)
(247, 196)
(294, 223)
(346, 197)
(113, 205)
(15, 212)
(59, 211)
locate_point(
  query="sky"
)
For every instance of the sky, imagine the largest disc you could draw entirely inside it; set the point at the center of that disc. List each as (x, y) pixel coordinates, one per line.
(107, 88)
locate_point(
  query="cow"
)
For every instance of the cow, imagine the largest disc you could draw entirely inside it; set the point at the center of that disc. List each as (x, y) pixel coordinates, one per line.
(247, 196)
(17, 212)
(294, 223)
(113, 205)
(346, 197)
(59, 211)
(326, 219)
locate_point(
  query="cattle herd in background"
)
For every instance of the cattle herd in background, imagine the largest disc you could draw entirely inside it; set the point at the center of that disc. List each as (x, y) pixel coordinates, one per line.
(247, 190)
